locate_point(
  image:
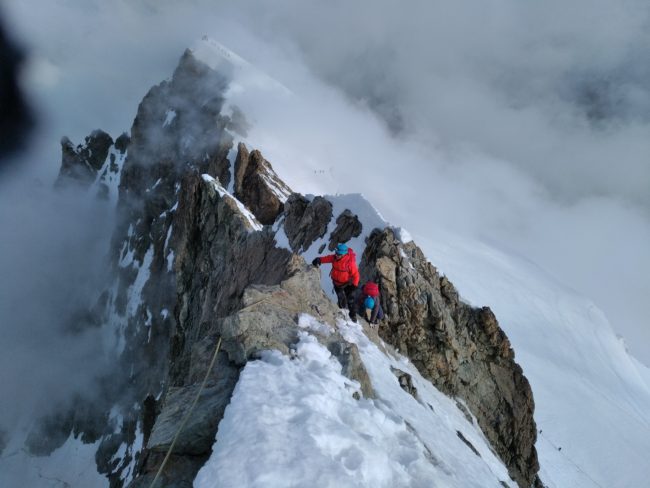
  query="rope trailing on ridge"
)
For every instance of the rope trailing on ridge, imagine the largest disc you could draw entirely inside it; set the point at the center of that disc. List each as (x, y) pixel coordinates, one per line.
(187, 415)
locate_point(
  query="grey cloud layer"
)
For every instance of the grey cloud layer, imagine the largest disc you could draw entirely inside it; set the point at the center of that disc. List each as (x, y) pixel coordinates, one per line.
(523, 123)
(52, 259)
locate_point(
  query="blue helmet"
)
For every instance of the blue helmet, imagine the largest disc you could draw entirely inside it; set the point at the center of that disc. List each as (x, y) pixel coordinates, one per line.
(369, 303)
(341, 249)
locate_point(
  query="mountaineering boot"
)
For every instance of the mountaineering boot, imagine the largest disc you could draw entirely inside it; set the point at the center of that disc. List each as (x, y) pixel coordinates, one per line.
(353, 317)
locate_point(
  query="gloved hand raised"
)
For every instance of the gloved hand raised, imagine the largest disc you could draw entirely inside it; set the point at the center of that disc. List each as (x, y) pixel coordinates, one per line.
(316, 262)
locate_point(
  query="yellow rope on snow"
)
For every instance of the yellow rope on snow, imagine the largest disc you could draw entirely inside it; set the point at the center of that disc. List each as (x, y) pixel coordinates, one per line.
(187, 415)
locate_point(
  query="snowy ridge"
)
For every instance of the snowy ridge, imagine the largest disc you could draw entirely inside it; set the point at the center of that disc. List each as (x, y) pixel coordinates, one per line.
(294, 422)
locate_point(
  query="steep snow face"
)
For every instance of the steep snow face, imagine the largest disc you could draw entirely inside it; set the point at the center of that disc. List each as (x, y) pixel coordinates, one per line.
(295, 422)
(592, 398)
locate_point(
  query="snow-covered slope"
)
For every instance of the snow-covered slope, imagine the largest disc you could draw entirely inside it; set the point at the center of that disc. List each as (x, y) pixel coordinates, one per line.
(294, 422)
(592, 398)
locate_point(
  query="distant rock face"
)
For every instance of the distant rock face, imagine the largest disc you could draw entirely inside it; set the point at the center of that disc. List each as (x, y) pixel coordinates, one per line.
(178, 130)
(97, 162)
(84, 161)
(461, 349)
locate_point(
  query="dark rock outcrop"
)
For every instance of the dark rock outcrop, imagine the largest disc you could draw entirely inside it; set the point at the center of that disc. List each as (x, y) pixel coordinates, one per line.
(347, 227)
(257, 186)
(80, 164)
(461, 349)
(305, 221)
(197, 435)
(50, 433)
(96, 162)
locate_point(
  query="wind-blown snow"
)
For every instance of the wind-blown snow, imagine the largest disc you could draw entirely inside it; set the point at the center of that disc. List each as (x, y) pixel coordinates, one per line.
(295, 422)
(244, 75)
(232, 157)
(403, 235)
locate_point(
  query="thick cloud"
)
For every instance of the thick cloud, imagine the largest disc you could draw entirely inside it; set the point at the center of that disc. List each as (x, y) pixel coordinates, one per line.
(52, 256)
(522, 123)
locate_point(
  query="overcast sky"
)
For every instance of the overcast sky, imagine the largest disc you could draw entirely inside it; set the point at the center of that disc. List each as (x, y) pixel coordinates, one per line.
(525, 124)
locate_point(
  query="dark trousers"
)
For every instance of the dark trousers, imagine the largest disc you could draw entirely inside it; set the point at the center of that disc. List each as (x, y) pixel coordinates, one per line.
(346, 296)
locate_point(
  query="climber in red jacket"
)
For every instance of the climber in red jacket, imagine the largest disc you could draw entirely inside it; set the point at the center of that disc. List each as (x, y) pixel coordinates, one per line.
(345, 276)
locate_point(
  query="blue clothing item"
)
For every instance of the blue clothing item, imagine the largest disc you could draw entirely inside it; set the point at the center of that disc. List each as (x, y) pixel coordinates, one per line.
(341, 249)
(376, 312)
(369, 303)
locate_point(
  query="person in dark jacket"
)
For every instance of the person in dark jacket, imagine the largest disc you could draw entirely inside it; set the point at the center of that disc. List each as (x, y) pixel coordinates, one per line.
(345, 277)
(369, 304)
